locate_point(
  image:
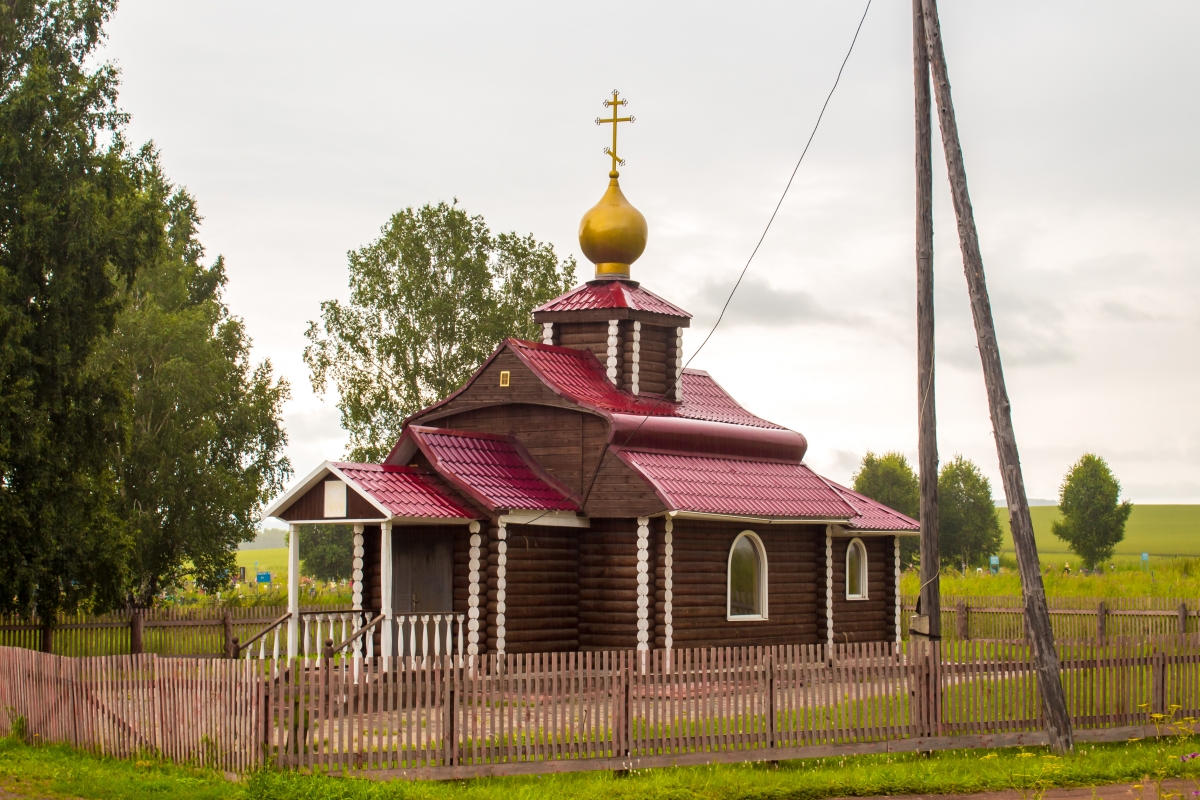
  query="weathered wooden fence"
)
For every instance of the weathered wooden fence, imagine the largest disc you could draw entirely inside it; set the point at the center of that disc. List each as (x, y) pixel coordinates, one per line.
(450, 716)
(164, 631)
(1002, 617)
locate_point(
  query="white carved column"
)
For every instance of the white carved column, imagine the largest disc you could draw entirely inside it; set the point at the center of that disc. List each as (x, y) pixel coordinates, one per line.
(293, 641)
(547, 333)
(501, 583)
(473, 591)
(385, 587)
(637, 355)
(643, 583)
(679, 365)
(356, 567)
(896, 583)
(614, 342)
(829, 585)
(668, 585)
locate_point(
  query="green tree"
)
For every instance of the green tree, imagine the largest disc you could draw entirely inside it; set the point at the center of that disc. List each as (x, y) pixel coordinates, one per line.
(968, 525)
(1093, 521)
(79, 214)
(429, 301)
(203, 440)
(890, 480)
(327, 552)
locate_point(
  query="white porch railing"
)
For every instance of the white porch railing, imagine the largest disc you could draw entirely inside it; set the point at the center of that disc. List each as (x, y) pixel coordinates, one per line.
(416, 635)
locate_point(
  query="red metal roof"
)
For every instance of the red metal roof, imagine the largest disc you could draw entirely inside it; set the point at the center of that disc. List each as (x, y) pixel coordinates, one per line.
(579, 376)
(405, 491)
(713, 485)
(871, 515)
(493, 470)
(612, 294)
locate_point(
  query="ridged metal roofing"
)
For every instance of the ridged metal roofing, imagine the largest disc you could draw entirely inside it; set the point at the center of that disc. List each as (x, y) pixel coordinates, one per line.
(578, 376)
(714, 485)
(612, 294)
(871, 515)
(492, 469)
(405, 491)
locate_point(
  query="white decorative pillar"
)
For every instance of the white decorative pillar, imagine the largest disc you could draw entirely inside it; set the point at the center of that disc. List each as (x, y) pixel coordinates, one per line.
(643, 583)
(501, 583)
(356, 567)
(473, 591)
(547, 333)
(614, 341)
(637, 355)
(668, 585)
(896, 583)
(679, 365)
(385, 588)
(293, 642)
(829, 585)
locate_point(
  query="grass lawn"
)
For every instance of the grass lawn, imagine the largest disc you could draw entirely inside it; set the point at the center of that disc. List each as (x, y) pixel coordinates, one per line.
(1166, 530)
(60, 771)
(273, 561)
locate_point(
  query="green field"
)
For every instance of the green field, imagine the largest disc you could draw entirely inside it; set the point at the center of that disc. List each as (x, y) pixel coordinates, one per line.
(1166, 530)
(273, 561)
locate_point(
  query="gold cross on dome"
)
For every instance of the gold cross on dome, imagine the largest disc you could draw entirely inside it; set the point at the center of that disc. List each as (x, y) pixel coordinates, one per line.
(613, 120)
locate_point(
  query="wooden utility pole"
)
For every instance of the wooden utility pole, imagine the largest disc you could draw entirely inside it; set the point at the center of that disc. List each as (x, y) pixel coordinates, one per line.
(927, 455)
(1054, 702)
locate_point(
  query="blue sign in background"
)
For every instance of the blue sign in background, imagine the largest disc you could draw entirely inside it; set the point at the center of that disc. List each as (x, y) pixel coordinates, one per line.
(264, 577)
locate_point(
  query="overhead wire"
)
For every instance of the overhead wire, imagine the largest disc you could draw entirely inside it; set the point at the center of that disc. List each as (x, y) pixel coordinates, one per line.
(606, 453)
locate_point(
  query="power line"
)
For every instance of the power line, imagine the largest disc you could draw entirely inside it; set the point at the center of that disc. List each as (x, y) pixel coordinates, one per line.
(606, 454)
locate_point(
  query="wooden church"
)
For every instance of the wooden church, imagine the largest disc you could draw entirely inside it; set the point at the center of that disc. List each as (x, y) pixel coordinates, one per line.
(586, 492)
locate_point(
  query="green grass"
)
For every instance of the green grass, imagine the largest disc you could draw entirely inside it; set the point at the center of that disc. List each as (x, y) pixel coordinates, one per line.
(60, 771)
(1164, 577)
(273, 560)
(1160, 530)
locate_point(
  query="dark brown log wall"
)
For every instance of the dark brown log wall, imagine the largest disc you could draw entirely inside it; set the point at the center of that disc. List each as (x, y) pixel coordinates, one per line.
(873, 619)
(541, 588)
(485, 390)
(701, 553)
(372, 588)
(608, 585)
(585, 336)
(657, 345)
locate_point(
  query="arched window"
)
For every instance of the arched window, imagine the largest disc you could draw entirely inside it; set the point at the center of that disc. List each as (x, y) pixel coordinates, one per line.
(746, 585)
(856, 570)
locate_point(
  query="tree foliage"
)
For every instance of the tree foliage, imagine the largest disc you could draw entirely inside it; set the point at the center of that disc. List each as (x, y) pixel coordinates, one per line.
(79, 214)
(968, 525)
(327, 552)
(430, 299)
(202, 444)
(889, 479)
(1093, 519)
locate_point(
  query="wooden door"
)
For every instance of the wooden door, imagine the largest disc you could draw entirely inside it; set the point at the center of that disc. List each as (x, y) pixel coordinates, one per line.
(422, 572)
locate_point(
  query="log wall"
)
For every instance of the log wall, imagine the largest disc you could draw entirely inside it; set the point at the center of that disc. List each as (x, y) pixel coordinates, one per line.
(873, 619)
(608, 585)
(541, 589)
(585, 336)
(656, 348)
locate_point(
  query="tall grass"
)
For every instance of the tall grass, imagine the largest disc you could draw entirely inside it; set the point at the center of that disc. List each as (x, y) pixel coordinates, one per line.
(1165, 577)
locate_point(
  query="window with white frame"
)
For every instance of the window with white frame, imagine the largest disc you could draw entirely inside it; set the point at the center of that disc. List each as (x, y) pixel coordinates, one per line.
(746, 578)
(856, 570)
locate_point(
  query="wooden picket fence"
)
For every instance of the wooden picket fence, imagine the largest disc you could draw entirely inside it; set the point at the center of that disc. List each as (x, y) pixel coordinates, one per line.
(454, 717)
(1002, 617)
(170, 631)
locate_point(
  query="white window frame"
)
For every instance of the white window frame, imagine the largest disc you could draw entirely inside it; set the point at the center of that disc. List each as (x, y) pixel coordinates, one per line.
(762, 584)
(862, 567)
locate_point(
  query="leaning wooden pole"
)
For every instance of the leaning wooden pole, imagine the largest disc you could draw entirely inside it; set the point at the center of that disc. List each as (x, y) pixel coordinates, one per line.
(1054, 702)
(927, 455)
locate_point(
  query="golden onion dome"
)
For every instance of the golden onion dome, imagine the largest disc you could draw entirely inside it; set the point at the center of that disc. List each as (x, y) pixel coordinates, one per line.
(613, 233)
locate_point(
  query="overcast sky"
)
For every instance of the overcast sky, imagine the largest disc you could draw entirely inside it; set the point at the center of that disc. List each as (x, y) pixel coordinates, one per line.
(301, 127)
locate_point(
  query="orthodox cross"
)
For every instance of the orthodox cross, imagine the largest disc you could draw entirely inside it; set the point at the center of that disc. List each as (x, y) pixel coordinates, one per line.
(614, 119)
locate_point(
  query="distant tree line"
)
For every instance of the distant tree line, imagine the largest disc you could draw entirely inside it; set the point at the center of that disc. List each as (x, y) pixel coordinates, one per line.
(1092, 516)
